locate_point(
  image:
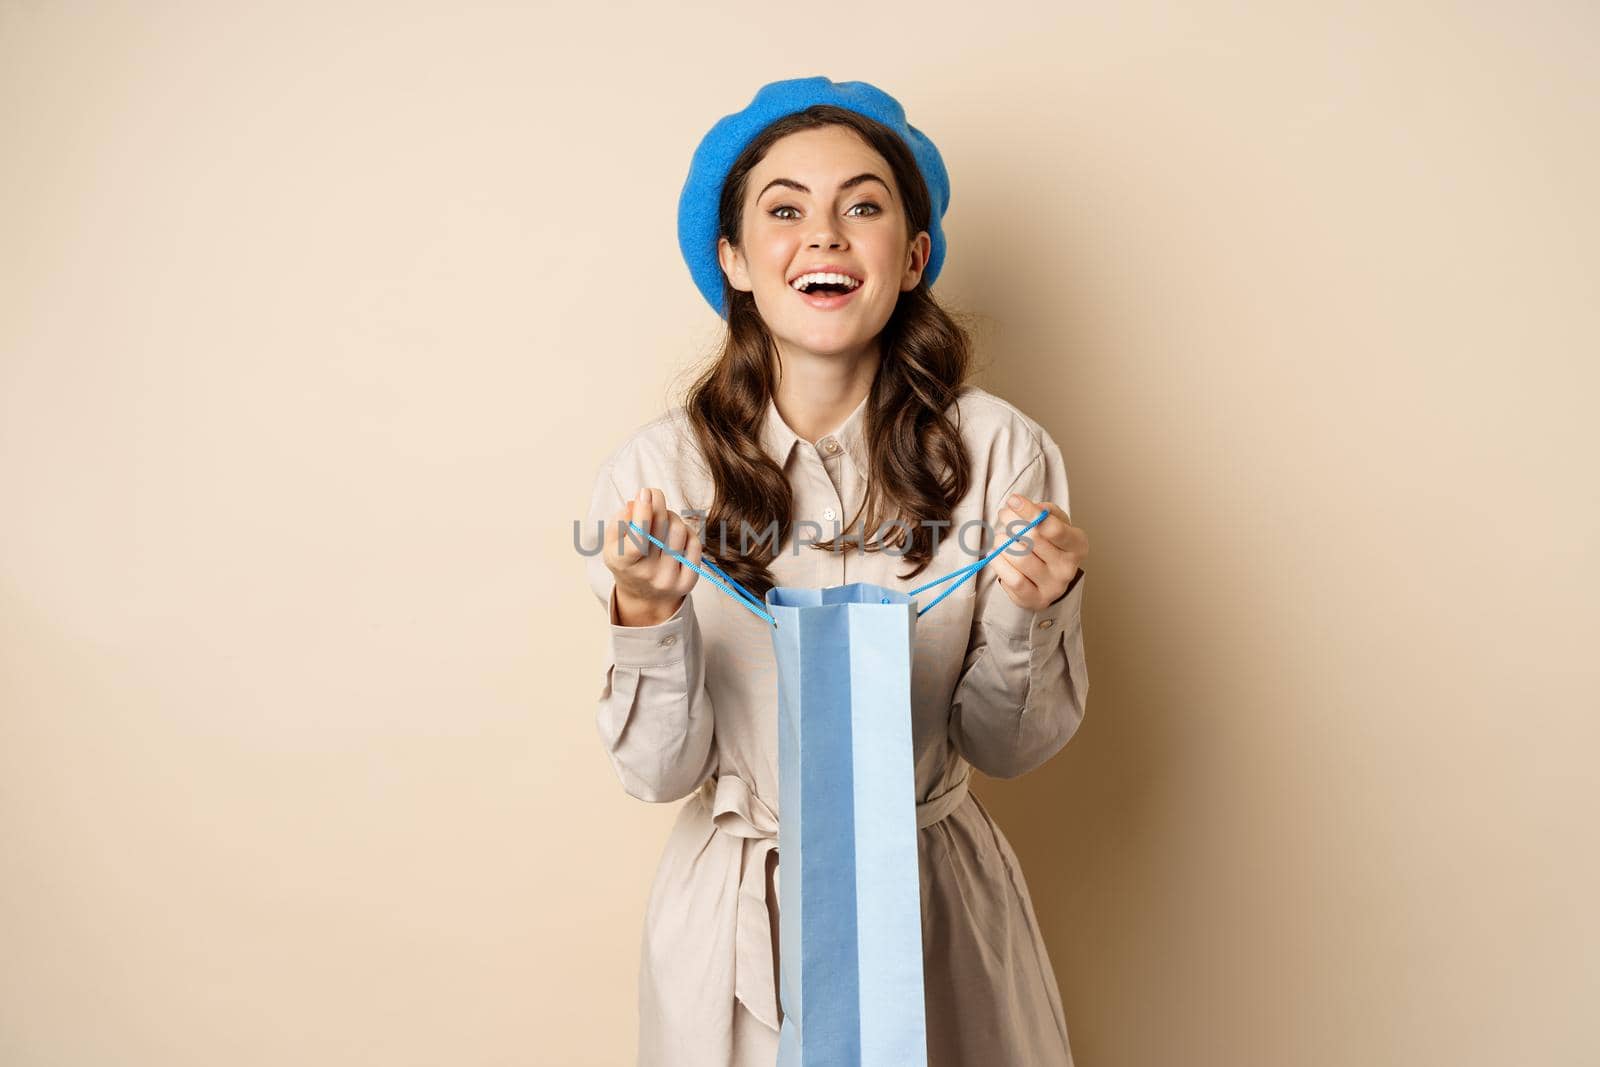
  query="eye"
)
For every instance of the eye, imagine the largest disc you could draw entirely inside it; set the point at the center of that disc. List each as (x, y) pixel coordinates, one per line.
(775, 212)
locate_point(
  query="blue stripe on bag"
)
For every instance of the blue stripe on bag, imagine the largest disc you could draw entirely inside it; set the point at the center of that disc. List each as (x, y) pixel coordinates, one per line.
(850, 929)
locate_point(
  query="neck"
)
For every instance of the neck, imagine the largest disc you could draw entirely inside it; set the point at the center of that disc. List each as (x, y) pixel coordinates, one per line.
(814, 394)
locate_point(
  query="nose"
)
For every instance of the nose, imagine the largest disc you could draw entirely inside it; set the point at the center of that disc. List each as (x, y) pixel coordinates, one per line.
(826, 234)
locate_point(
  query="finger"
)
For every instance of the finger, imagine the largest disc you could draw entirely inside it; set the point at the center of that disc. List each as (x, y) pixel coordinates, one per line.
(1020, 512)
(620, 537)
(1013, 580)
(1024, 561)
(677, 539)
(1023, 505)
(1047, 551)
(631, 549)
(660, 524)
(638, 545)
(1056, 527)
(687, 576)
(694, 535)
(677, 532)
(616, 534)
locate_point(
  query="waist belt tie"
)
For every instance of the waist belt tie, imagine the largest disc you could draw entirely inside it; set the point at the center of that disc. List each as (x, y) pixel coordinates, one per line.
(738, 812)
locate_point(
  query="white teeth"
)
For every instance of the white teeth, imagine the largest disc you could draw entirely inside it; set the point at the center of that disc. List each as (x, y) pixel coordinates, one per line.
(804, 280)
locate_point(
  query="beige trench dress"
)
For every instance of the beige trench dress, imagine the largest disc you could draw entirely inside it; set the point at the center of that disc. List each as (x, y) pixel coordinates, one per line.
(688, 709)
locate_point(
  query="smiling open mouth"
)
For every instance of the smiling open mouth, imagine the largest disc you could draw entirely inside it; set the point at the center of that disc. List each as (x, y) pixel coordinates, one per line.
(825, 290)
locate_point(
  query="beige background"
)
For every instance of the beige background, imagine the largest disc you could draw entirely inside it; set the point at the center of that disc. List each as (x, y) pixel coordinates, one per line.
(316, 320)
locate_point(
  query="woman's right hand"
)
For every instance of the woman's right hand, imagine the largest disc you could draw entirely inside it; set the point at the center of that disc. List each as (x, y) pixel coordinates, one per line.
(651, 584)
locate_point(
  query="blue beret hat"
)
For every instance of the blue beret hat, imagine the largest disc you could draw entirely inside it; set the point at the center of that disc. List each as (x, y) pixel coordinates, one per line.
(713, 159)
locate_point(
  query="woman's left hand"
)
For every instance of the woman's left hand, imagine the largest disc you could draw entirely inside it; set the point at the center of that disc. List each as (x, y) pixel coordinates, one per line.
(1036, 579)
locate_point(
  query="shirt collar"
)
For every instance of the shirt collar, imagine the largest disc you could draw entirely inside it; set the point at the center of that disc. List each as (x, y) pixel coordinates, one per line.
(779, 440)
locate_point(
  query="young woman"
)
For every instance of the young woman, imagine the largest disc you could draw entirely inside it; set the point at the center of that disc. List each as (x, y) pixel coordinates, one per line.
(836, 417)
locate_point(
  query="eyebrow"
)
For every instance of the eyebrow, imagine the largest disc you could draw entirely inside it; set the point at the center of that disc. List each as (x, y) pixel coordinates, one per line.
(848, 183)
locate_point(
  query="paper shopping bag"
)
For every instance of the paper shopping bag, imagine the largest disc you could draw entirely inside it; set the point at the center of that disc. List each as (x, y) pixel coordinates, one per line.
(850, 921)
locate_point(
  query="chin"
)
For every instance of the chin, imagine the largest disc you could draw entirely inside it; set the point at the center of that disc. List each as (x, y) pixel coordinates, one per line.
(828, 343)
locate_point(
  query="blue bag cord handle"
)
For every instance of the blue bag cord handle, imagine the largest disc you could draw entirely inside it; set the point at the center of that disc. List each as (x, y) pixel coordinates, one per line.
(743, 596)
(748, 599)
(973, 568)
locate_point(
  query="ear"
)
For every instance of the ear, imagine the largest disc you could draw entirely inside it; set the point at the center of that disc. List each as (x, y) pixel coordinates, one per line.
(733, 265)
(916, 260)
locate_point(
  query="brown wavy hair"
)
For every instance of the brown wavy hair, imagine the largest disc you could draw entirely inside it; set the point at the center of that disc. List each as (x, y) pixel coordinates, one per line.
(918, 469)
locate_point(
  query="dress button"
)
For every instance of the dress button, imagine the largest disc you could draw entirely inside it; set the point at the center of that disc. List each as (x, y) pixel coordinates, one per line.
(1045, 624)
(830, 445)
(669, 640)
(829, 514)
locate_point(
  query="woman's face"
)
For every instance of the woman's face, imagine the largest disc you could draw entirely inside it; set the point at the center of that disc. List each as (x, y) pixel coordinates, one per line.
(808, 207)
